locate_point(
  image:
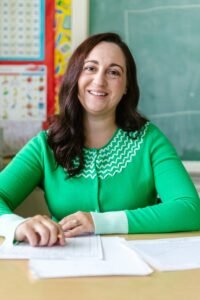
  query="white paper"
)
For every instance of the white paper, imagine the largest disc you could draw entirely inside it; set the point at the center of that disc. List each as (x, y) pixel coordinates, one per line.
(118, 260)
(85, 247)
(169, 254)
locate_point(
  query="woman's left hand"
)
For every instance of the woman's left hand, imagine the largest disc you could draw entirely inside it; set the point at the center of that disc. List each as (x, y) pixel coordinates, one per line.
(77, 224)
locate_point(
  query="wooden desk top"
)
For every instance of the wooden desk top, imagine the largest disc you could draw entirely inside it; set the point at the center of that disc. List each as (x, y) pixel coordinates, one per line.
(17, 284)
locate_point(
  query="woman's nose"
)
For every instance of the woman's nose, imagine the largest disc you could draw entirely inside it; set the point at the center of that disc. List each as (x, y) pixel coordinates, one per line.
(100, 78)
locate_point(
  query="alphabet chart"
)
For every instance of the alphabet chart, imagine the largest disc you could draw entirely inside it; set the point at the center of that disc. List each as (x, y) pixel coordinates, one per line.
(22, 29)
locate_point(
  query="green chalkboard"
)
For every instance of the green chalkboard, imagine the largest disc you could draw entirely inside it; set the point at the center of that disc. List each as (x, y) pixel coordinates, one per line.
(164, 37)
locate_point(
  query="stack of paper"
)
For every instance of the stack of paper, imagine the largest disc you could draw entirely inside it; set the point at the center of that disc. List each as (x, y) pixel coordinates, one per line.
(82, 256)
(169, 254)
(118, 260)
(96, 256)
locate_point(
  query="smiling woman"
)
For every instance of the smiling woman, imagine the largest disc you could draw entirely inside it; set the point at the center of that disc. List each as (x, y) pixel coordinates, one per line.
(90, 71)
(102, 165)
(102, 81)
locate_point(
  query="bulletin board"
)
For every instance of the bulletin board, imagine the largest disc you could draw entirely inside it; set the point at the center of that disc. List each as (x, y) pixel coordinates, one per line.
(35, 37)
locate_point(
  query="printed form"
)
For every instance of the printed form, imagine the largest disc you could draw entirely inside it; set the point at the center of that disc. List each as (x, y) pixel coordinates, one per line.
(169, 254)
(85, 247)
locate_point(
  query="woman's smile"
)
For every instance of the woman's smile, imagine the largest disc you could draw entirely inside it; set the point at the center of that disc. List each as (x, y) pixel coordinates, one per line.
(97, 93)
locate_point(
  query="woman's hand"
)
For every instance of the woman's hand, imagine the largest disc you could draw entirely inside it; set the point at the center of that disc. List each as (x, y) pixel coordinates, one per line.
(77, 224)
(40, 231)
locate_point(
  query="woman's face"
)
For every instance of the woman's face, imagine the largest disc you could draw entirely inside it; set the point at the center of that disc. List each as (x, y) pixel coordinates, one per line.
(103, 81)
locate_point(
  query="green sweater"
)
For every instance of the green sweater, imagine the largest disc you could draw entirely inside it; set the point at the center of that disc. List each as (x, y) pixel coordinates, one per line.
(126, 175)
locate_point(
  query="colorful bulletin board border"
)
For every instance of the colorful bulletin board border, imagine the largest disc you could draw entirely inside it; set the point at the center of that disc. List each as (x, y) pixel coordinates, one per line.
(22, 30)
(62, 41)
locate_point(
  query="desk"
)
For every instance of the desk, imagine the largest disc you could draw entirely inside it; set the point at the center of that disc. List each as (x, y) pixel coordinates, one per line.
(17, 284)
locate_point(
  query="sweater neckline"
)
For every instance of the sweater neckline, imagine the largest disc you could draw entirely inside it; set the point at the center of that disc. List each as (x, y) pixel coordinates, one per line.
(114, 136)
(113, 157)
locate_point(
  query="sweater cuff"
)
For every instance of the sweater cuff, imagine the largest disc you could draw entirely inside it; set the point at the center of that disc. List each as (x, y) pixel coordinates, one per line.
(110, 222)
(8, 225)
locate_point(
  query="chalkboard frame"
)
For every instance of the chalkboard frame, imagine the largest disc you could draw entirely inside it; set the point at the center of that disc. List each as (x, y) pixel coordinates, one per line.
(80, 21)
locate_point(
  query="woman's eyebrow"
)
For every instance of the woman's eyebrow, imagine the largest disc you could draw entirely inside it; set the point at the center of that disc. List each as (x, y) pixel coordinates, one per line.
(111, 65)
(116, 65)
(91, 61)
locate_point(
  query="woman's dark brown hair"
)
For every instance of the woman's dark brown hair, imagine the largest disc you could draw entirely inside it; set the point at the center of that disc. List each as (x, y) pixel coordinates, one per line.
(66, 135)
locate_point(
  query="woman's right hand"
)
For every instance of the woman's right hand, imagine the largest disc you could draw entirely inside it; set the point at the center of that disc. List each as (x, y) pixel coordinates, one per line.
(40, 231)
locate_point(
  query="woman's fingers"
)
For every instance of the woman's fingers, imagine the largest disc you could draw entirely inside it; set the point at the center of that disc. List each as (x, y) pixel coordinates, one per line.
(77, 224)
(27, 234)
(56, 234)
(40, 231)
(43, 233)
(75, 232)
(69, 223)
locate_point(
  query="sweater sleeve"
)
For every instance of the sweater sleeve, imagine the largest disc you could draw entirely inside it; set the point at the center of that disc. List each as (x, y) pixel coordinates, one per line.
(110, 222)
(8, 225)
(179, 207)
(21, 176)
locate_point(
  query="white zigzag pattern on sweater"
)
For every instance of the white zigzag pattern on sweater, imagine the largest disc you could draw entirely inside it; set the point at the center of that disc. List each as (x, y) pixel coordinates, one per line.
(112, 159)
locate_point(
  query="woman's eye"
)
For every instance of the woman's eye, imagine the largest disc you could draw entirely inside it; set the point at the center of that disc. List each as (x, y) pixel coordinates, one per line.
(114, 73)
(89, 69)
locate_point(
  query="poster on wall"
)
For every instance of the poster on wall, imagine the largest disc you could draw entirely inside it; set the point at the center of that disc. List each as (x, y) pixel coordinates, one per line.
(22, 29)
(27, 92)
(35, 45)
(23, 92)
